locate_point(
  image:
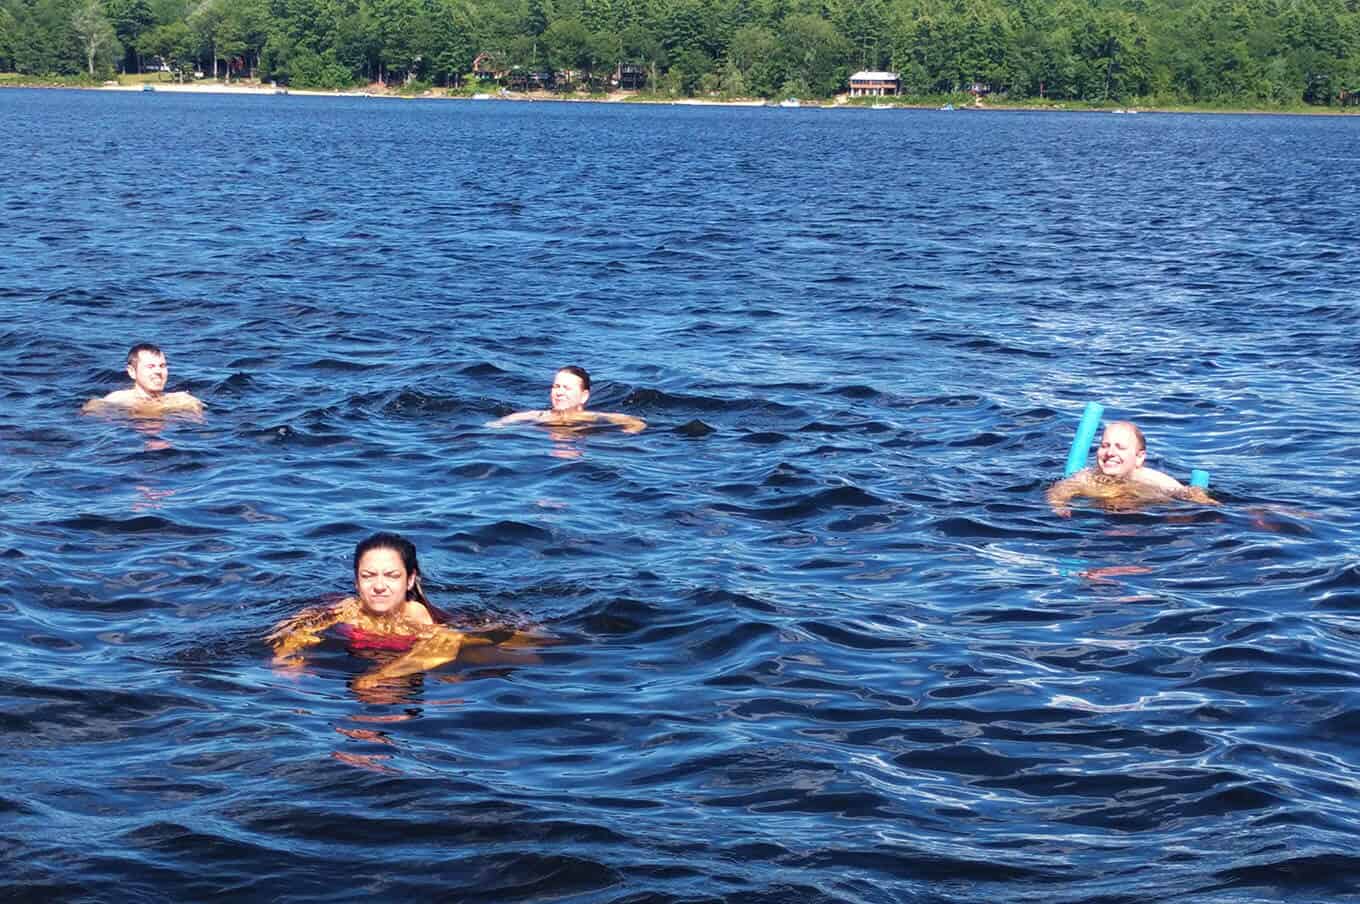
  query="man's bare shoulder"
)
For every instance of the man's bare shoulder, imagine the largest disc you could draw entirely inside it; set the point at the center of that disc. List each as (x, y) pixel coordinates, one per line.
(180, 401)
(1157, 480)
(122, 398)
(127, 400)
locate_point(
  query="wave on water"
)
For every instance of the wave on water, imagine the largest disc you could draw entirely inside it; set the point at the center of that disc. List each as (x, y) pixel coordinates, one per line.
(814, 634)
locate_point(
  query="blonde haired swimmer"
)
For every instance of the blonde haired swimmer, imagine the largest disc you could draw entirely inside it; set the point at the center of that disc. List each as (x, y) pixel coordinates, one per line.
(147, 368)
(1119, 478)
(390, 612)
(567, 399)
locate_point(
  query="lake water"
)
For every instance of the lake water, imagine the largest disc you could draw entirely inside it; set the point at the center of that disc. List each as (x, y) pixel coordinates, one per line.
(816, 635)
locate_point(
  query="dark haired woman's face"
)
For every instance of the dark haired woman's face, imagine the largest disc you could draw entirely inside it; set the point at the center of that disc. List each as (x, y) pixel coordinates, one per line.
(382, 581)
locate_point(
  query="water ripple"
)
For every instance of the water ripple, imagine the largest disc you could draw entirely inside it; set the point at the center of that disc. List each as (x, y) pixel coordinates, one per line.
(814, 635)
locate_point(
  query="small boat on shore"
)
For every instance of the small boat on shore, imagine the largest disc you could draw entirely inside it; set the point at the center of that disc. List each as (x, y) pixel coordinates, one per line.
(148, 87)
(947, 108)
(790, 102)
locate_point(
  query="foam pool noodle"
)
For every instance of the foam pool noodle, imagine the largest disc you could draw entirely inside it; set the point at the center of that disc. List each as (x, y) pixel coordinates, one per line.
(1081, 443)
(1199, 478)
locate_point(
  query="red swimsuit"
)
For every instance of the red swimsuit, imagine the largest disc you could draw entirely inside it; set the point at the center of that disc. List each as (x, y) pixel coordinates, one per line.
(359, 639)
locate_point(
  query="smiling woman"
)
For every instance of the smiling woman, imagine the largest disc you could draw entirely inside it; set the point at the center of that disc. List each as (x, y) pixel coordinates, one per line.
(389, 613)
(568, 395)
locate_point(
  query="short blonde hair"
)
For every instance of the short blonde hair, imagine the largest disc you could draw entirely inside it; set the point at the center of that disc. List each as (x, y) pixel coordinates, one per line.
(1137, 433)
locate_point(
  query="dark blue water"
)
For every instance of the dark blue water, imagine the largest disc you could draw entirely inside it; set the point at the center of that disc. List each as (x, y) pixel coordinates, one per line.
(816, 636)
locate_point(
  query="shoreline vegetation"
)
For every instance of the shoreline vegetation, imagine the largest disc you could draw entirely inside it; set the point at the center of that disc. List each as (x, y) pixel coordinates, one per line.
(1201, 55)
(159, 82)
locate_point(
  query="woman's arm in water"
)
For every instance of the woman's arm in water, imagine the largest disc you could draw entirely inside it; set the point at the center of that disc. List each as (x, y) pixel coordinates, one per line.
(431, 651)
(304, 629)
(519, 417)
(629, 423)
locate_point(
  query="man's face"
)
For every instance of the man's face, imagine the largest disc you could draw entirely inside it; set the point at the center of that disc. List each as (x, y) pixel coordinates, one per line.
(568, 393)
(149, 372)
(1119, 455)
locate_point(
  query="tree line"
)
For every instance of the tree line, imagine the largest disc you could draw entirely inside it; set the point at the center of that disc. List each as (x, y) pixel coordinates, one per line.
(1225, 52)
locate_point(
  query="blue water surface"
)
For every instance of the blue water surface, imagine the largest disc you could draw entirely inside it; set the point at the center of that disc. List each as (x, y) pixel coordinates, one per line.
(813, 636)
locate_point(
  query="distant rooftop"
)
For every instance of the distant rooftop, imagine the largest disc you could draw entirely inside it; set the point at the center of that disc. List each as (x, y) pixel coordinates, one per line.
(874, 76)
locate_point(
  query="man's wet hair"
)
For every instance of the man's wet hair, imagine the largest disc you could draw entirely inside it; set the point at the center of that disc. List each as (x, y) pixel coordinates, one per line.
(143, 347)
(579, 372)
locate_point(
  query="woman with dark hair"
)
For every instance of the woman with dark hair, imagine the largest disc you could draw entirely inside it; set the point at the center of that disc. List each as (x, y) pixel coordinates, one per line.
(389, 612)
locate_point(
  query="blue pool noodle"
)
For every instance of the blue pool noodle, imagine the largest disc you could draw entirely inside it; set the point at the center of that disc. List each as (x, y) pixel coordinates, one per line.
(1081, 443)
(1199, 478)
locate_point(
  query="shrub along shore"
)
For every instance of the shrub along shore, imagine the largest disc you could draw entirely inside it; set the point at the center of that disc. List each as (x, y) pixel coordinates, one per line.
(960, 102)
(1167, 54)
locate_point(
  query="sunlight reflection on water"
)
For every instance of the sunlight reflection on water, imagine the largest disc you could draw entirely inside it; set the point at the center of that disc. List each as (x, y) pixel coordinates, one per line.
(816, 633)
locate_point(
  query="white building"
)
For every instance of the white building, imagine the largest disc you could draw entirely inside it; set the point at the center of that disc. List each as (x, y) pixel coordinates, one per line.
(873, 84)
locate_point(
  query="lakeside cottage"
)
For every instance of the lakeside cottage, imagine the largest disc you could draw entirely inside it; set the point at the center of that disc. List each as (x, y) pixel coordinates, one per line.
(487, 68)
(522, 79)
(630, 76)
(873, 84)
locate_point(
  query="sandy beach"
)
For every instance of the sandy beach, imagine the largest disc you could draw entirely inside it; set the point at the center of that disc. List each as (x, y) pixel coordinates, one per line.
(377, 90)
(235, 88)
(380, 91)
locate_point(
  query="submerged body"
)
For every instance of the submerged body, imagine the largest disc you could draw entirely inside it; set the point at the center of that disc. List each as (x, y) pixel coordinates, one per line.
(567, 397)
(389, 606)
(389, 614)
(127, 401)
(146, 397)
(1119, 479)
(409, 629)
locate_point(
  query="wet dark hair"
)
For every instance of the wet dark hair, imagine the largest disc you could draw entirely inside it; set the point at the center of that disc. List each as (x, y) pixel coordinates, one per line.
(402, 547)
(576, 371)
(143, 347)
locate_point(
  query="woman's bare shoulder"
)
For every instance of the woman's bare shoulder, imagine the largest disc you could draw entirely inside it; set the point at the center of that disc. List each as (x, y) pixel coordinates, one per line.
(417, 613)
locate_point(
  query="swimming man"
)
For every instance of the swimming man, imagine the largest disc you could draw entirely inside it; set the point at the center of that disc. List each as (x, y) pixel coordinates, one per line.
(568, 396)
(146, 396)
(1119, 478)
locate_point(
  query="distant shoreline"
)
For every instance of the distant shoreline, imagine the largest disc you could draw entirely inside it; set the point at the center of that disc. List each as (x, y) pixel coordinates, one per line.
(632, 97)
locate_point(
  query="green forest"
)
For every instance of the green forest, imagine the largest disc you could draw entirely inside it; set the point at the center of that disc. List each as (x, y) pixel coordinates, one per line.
(1229, 53)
